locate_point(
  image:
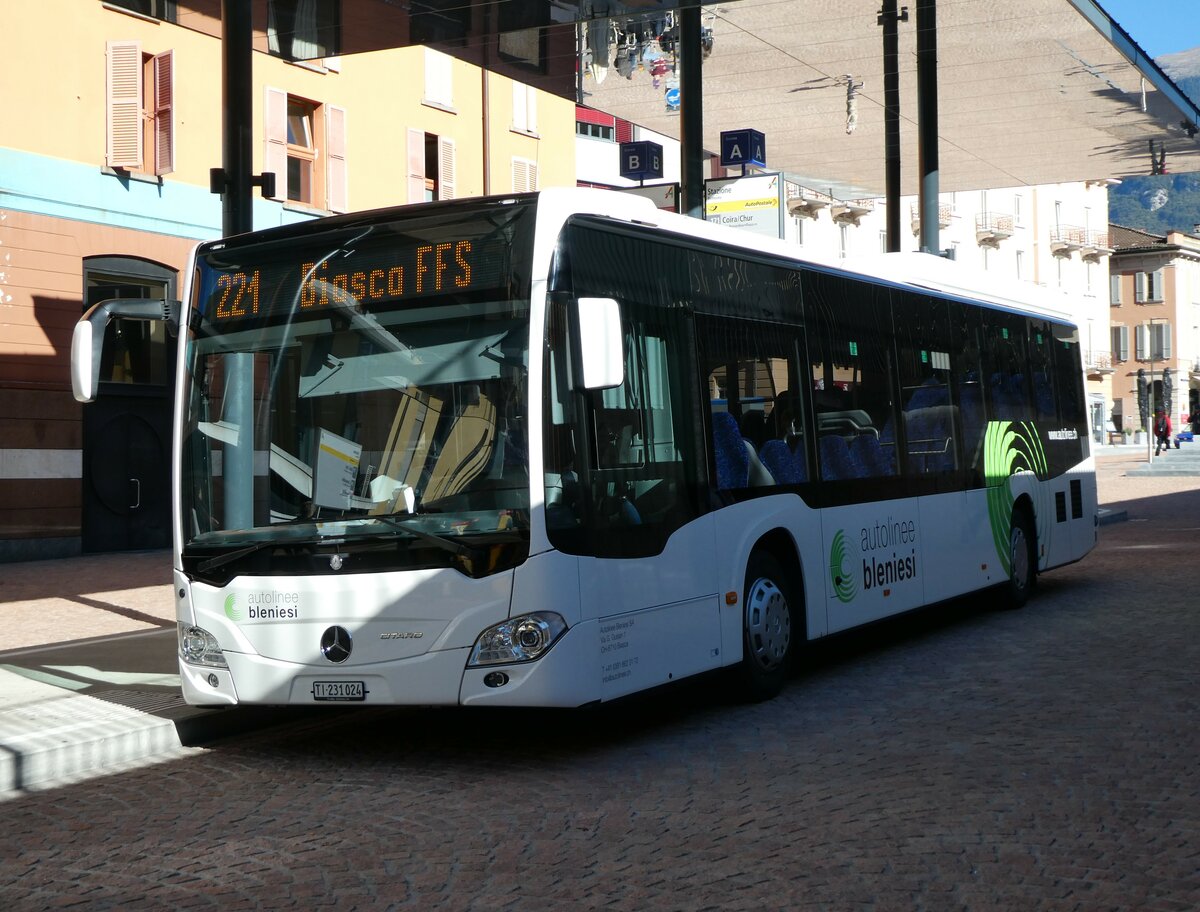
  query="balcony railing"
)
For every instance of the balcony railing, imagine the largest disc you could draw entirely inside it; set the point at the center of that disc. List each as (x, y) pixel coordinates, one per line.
(1098, 362)
(1066, 239)
(993, 227)
(945, 214)
(808, 204)
(850, 212)
(1097, 246)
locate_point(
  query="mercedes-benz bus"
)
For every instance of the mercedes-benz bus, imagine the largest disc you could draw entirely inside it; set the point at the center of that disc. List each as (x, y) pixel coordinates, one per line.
(553, 449)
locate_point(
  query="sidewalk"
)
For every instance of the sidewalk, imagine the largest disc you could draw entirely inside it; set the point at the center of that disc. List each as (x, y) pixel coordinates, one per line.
(89, 683)
(88, 678)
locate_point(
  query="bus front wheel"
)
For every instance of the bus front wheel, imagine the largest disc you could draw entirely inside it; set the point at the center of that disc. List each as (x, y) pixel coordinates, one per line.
(767, 641)
(1022, 559)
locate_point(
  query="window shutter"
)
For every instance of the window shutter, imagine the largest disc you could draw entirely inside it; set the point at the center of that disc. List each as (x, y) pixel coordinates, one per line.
(1156, 286)
(275, 133)
(124, 104)
(1139, 286)
(1120, 343)
(1114, 288)
(335, 143)
(164, 113)
(524, 175)
(445, 168)
(1143, 348)
(1166, 341)
(416, 166)
(439, 78)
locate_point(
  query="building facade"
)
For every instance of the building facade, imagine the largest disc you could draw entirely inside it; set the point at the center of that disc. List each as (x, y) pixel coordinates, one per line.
(104, 190)
(1155, 316)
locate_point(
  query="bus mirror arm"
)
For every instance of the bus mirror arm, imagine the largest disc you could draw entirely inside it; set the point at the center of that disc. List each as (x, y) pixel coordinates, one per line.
(87, 340)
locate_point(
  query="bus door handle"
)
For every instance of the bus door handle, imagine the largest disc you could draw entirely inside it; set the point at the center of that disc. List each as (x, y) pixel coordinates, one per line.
(137, 493)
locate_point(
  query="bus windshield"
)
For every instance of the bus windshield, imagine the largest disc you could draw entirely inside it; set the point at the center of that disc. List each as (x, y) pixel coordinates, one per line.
(362, 381)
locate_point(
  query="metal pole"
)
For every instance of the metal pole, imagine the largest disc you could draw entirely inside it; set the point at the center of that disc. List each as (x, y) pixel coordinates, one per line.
(890, 19)
(237, 109)
(691, 114)
(927, 124)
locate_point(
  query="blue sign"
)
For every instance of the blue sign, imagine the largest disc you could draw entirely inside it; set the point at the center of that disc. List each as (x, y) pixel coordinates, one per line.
(672, 97)
(743, 147)
(640, 160)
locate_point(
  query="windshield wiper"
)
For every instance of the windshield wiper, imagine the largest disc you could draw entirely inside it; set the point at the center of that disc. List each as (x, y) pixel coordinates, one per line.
(230, 556)
(445, 542)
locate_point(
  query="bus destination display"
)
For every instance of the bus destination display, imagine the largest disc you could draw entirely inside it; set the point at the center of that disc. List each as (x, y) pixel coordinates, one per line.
(379, 273)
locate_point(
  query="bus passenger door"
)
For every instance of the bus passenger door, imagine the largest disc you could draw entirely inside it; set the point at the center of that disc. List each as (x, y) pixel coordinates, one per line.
(646, 544)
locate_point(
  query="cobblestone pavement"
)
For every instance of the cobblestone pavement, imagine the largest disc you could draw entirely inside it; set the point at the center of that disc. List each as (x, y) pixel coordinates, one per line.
(964, 758)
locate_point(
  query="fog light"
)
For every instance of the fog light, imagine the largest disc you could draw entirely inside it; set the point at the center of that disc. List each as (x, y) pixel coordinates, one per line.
(495, 679)
(519, 639)
(199, 647)
(213, 681)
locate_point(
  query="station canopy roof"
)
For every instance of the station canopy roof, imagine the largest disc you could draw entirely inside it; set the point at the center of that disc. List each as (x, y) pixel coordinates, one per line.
(1029, 91)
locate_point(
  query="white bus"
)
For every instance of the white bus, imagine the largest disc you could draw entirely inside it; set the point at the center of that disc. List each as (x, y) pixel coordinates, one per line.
(557, 448)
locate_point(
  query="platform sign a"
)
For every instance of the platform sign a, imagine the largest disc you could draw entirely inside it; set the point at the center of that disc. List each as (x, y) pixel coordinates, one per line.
(641, 160)
(743, 147)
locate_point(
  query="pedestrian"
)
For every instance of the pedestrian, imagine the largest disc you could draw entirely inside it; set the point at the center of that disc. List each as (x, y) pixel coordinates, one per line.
(1162, 431)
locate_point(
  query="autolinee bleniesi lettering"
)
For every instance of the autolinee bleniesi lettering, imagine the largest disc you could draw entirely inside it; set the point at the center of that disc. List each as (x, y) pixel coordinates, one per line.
(884, 570)
(434, 268)
(272, 606)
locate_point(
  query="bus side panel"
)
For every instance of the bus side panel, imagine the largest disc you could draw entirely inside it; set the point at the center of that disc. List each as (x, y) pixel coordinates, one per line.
(742, 525)
(874, 561)
(958, 550)
(684, 640)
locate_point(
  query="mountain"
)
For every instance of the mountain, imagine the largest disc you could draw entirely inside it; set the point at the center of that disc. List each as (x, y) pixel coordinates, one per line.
(1168, 202)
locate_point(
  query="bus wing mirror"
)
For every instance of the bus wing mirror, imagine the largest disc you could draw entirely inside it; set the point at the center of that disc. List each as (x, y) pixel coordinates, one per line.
(87, 341)
(601, 354)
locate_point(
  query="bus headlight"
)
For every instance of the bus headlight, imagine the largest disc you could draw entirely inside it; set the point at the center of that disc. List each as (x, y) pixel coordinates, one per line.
(519, 639)
(199, 647)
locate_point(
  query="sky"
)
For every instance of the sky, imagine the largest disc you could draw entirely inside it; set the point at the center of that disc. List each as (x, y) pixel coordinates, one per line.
(1158, 26)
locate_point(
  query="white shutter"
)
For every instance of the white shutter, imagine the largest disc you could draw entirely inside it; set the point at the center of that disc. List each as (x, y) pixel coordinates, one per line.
(1139, 286)
(416, 166)
(439, 80)
(1166, 341)
(336, 173)
(275, 136)
(524, 175)
(1141, 338)
(124, 105)
(445, 168)
(164, 113)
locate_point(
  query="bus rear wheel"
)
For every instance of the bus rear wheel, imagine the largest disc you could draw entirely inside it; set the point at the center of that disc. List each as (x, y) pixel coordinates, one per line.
(1022, 559)
(767, 642)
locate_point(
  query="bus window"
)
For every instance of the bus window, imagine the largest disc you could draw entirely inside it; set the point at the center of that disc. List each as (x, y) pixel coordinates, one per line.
(851, 377)
(923, 347)
(630, 451)
(758, 438)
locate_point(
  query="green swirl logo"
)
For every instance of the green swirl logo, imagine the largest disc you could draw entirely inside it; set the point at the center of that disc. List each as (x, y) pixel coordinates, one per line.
(232, 611)
(844, 585)
(1010, 447)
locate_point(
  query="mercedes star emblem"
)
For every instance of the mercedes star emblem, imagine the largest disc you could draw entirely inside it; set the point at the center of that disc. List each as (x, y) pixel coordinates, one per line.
(336, 644)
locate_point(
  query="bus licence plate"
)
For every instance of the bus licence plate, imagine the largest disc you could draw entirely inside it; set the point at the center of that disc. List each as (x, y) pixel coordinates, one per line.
(339, 690)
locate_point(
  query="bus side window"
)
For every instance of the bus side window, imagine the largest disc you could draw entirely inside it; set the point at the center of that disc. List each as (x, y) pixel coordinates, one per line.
(851, 377)
(757, 422)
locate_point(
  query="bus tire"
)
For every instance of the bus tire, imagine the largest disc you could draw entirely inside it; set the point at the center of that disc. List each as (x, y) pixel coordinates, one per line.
(1022, 559)
(768, 640)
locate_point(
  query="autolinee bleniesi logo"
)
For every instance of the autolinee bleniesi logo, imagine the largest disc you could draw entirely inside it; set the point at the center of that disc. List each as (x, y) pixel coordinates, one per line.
(262, 606)
(1010, 447)
(886, 551)
(844, 586)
